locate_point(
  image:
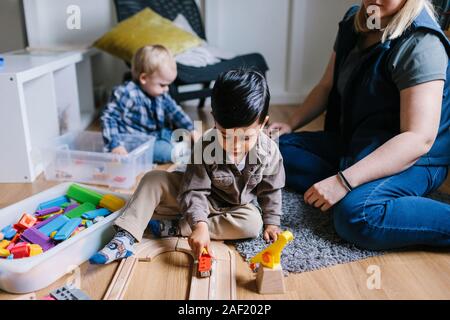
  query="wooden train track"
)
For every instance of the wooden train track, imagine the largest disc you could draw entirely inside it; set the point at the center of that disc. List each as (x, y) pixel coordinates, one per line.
(220, 286)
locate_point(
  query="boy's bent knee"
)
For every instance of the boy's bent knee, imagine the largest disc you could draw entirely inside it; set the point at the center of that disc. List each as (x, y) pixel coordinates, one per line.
(241, 224)
(161, 178)
(252, 224)
(155, 176)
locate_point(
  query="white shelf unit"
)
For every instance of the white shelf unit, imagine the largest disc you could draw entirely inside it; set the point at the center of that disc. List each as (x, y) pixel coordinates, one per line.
(44, 94)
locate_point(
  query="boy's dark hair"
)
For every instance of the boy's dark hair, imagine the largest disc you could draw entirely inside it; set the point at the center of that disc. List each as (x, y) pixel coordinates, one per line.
(239, 98)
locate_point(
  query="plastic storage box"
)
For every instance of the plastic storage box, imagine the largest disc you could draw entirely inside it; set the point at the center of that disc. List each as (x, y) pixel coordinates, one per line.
(35, 273)
(79, 156)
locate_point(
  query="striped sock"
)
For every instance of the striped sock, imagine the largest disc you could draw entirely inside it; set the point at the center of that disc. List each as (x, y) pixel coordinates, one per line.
(121, 246)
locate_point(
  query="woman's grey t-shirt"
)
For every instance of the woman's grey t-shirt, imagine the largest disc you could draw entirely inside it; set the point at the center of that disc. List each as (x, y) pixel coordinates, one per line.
(421, 58)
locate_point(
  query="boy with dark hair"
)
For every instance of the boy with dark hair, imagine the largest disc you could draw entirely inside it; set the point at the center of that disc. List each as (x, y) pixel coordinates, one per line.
(235, 174)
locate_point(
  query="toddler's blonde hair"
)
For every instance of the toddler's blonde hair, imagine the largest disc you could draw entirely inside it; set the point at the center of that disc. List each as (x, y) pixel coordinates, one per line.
(400, 22)
(149, 59)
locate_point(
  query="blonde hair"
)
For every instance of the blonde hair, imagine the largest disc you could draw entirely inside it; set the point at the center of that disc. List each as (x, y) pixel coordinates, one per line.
(150, 59)
(401, 21)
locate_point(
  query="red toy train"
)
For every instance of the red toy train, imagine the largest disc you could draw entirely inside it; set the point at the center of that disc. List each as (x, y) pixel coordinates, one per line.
(204, 265)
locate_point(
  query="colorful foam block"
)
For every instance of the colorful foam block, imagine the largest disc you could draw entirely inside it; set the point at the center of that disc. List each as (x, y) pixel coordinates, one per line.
(21, 250)
(4, 244)
(47, 211)
(4, 253)
(35, 236)
(9, 232)
(83, 195)
(50, 215)
(65, 205)
(35, 250)
(103, 212)
(111, 202)
(16, 238)
(71, 207)
(10, 246)
(57, 202)
(80, 210)
(2, 236)
(54, 225)
(43, 223)
(89, 223)
(65, 232)
(27, 221)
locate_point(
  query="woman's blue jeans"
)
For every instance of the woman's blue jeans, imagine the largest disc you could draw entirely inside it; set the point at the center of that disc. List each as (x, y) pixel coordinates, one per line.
(387, 213)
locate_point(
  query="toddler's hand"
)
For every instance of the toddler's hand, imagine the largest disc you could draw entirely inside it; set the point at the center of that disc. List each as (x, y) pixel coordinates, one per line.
(199, 238)
(120, 150)
(271, 232)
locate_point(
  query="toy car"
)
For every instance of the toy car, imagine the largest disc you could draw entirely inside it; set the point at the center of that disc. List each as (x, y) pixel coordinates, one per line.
(204, 265)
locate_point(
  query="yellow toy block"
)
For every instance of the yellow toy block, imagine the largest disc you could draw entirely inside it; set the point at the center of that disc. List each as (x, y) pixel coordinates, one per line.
(53, 234)
(4, 244)
(270, 257)
(111, 202)
(4, 253)
(35, 249)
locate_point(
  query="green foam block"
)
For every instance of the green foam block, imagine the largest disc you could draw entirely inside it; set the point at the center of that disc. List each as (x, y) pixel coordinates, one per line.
(78, 211)
(82, 195)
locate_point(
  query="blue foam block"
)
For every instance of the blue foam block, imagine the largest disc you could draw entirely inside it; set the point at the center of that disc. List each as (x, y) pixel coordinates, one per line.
(9, 232)
(91, 215)
(67, 229)
(57, 202)
(54, 225)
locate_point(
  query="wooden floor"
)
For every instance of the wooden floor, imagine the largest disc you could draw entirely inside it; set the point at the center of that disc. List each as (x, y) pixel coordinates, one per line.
(406, 275)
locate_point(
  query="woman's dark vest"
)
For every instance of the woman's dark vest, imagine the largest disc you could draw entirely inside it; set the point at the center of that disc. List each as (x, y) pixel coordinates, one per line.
(368, 113)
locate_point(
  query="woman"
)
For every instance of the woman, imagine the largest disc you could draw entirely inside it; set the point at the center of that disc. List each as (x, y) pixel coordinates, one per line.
(386, 142)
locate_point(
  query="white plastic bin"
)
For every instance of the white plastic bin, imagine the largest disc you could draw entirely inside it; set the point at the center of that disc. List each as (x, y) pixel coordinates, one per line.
(35, 273)
(79, 156)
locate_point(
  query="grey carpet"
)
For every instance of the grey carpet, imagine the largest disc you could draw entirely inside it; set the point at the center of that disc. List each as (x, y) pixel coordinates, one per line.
(316, 244)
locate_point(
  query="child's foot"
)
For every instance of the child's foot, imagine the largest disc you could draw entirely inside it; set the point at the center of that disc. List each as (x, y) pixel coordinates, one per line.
(121, 246)
(165, 228)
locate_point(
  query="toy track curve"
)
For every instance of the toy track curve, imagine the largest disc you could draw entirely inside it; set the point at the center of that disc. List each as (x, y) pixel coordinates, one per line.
(220, 286)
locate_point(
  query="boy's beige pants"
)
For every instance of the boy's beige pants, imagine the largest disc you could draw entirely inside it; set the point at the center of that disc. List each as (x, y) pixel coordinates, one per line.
(156, 197)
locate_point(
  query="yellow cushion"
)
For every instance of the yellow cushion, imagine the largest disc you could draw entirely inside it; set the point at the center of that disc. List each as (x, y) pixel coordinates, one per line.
(145, 28)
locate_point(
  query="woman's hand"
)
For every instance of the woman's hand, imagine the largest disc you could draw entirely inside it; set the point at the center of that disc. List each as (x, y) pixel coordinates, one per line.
(199, 239)
(326, 193)
(280, 127)
(271, 232)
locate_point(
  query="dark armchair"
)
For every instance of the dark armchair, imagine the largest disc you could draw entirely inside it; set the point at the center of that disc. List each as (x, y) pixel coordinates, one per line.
(190, 75)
